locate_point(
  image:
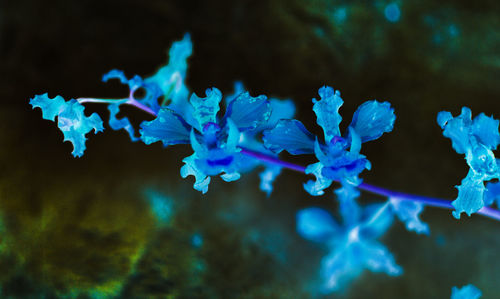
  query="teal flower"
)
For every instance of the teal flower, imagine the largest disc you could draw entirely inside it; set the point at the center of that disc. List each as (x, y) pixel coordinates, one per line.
(339, 156)
(476, 139)
(214, 140)
(71, 119)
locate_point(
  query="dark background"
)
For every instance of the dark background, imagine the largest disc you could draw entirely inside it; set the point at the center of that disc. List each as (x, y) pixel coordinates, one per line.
(82, 226)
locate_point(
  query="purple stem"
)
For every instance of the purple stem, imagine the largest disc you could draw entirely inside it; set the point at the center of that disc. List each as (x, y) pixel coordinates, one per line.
(430, 201)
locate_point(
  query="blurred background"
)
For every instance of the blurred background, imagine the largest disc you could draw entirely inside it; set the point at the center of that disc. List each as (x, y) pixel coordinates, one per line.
(120, 222)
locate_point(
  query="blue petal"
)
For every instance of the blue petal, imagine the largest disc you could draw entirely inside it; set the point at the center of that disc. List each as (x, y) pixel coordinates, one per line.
(71, 119)
(289, 135)
(443, 117)
(281, 109)
(170, 79)
(408, 212)
(315, 188)
(327, 111)
(267, 178)
(179, 52)
(238, 89)
(248, 112)
(205, 109)
(372, 119)
(486, 130)
(349, 208)
(338, 269)
(122, 123)
(457, 129)
(230, 177)
(75, 125)
(492, 194)
(346, 262)
(168, 127)
(316, 225)
(470, 196)
(50, 107)
(167, 82)
(466, 292)
(376, 220)
(190, 168)
(378, 258)
(482, 161)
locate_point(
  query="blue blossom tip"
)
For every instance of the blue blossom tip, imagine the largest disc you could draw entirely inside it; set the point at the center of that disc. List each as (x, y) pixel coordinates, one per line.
(249, 112)
(168, 127)
(316, 224)
(71, 119)
(327, 111)
(409, 212)
(290, 135)
(466, 292)
(115, 74)
(372, 119)
(206, 109)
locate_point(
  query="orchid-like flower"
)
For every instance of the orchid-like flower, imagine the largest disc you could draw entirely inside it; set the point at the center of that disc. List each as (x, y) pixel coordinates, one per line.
(477, 139)
(352, 247)
(71, 119)
(215, 140)
(339, 156)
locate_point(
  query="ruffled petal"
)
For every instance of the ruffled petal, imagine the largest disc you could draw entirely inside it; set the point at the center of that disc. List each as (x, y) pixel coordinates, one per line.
(470, 196)
(486, 130)
(315, 188)
(372, 119)
(120, 123)
(248, 112)
(408, 212)
(267, 178)
(201, 179)
(458, 129)
(50, 107)
(289, 135)
(168, 127)
(205, 109)
(71, 119)
(327, 111)
(316, 225)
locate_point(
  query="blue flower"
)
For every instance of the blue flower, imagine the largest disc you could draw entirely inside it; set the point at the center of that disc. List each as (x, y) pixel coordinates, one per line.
(215, 140)
(339, 156)
(408, 212)
(250, 139)
(352, 247)
(165, 88)
(71, 119)
(476, 139)
(466, 292)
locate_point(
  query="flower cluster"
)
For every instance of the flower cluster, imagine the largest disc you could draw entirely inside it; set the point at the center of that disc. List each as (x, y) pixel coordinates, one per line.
(215, 140)
(339, 157)
(476, 139)
(252, 131)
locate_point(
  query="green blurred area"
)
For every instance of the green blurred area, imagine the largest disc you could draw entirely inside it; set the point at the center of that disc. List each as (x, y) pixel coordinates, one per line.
(83, 227)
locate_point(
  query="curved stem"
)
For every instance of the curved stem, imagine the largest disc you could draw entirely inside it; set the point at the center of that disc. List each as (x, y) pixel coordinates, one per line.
(430, 201)
(129, 101)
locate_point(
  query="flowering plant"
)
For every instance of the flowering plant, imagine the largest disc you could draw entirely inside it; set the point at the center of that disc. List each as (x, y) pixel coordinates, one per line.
(253, 131)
